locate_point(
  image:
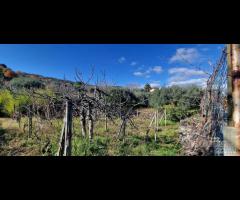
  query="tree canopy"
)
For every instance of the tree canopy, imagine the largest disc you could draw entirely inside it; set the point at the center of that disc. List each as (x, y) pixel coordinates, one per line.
(147, 87)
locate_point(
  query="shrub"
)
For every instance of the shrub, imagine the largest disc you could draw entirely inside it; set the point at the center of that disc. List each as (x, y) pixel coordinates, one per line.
(177, 113)
(6, 102)
(23, 82)
(181, 102)
(117, 96)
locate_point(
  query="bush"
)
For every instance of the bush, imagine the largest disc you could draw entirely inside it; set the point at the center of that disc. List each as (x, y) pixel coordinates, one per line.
(8, 102)
(181, 102)
(23, 82)
(177, 113)
(160, 97)
(117, 96)
(187, 97)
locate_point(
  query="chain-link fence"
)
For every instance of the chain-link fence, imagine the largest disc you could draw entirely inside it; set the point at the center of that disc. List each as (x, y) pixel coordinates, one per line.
(203, 135)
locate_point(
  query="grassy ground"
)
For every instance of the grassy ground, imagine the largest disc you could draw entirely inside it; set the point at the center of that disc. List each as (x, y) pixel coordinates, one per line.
(14, 141)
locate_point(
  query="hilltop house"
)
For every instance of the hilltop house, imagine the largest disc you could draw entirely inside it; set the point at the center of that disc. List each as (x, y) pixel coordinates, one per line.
(153, 89)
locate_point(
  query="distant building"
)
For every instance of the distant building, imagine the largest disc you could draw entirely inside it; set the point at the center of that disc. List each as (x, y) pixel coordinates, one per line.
(153, 89)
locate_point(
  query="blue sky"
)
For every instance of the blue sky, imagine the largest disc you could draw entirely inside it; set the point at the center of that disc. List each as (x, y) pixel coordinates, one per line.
(124, 64)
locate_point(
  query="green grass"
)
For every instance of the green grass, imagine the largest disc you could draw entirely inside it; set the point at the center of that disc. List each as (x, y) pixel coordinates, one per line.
(132, 145)
(104, 143)
(168, 122)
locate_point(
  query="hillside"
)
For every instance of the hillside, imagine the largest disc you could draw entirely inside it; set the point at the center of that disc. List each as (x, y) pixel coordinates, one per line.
(8, 74)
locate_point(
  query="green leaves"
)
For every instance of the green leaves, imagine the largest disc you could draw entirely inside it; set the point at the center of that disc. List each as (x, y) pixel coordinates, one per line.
(147, 87)
(181, 102)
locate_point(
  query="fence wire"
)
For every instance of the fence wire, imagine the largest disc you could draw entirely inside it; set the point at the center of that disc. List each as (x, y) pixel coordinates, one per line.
(204, 135)
(214, 104)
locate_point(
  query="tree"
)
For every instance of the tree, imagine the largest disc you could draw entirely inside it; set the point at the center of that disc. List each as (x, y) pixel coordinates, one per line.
(181, 102)
(160, 97)
(147, 87)
(118, 96)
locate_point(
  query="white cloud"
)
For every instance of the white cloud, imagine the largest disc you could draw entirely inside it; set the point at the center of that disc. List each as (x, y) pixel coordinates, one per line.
(122, 60)
(139, 73)
(186, 76)
(155, 85)
(198, 81)
(177, 78)
(146, 74)
(186, 71)
(185, 55)
(133, 63)
(157, 69)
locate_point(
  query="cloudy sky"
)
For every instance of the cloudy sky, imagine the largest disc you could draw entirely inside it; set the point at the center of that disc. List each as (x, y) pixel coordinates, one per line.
(124, 64)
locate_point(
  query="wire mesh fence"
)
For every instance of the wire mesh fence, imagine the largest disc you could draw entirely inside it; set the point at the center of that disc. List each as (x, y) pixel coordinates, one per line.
(203, 135)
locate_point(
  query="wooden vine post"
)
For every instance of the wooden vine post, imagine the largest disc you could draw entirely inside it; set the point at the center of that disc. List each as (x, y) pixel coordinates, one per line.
(165, 116)
(229, 85)
(30, 110)
(232, 131)
(83, 122)
(90, 121)
(155, 129)
(106, 122)
(149, 127)
(105, 115)
(65, 143)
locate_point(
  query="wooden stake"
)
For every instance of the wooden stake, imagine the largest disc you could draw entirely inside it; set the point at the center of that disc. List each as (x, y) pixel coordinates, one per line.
(65, 142)
(236, 84)
(149, 127)
(230, 85)
(30, 121)
(156, 126)
(83, 122)
(90, 122)
(60, 151)
(165, 117)
(106, 123)
(68, 129)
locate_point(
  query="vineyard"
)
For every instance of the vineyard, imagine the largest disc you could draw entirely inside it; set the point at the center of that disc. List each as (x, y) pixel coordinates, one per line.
(66, 118)
(42, 116)
(103, 143)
